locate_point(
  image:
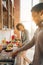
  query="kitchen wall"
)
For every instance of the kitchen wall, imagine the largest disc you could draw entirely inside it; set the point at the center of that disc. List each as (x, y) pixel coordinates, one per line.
(6, 34)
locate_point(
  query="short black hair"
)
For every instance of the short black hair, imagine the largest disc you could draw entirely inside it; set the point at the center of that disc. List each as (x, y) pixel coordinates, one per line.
(37, 8)
(19, 24)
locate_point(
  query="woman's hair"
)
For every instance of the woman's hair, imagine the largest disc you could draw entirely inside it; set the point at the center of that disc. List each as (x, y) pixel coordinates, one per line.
(19, 24)
(37, 8)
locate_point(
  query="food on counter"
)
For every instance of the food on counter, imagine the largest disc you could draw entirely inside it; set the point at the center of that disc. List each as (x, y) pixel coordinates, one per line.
(9, 47)
(13, 37)
(7, 42)
(4, 41)
(17, 43)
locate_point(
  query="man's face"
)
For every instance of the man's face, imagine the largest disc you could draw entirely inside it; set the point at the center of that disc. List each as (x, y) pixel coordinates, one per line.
(36, 17)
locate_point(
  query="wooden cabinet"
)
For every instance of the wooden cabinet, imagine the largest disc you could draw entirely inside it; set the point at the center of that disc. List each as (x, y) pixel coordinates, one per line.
(6, 14)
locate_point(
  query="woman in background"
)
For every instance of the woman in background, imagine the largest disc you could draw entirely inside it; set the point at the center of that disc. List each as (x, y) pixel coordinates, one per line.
(24, 40)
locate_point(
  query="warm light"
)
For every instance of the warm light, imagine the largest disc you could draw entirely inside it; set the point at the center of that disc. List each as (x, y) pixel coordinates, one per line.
(25, 14)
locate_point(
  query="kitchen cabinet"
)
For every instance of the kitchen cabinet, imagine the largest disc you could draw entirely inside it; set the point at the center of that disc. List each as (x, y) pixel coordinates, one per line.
(6, 14)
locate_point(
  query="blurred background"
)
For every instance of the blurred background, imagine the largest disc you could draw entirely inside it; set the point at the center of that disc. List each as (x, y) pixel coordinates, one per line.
(13, 12)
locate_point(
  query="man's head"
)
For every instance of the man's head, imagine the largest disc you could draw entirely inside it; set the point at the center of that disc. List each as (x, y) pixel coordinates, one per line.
(37, 13)
(20, 27)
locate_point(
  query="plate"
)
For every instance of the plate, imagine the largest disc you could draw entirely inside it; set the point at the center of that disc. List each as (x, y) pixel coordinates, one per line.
(10, 50)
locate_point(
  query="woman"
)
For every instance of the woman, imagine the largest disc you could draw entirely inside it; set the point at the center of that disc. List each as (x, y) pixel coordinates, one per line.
(24, 40)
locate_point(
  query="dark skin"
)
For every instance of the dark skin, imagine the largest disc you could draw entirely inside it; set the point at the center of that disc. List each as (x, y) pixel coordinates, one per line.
(37, 17)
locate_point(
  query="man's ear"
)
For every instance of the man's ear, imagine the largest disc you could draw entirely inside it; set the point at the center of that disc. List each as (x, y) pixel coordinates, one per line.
(41, 15)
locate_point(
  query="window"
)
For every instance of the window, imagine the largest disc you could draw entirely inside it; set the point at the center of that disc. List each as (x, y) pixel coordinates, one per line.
(25, 14)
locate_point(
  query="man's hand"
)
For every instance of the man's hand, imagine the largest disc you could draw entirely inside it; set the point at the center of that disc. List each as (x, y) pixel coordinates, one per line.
(14, 54)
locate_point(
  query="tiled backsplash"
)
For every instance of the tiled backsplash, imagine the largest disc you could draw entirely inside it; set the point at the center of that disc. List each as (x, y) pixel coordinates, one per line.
(5, 35)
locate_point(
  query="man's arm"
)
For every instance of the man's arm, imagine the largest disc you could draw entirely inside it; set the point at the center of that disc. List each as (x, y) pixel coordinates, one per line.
(27, 45)
(24, 47)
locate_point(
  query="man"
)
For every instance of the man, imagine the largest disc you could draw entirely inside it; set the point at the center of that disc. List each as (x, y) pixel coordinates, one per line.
(37, 40)
(24, 40)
